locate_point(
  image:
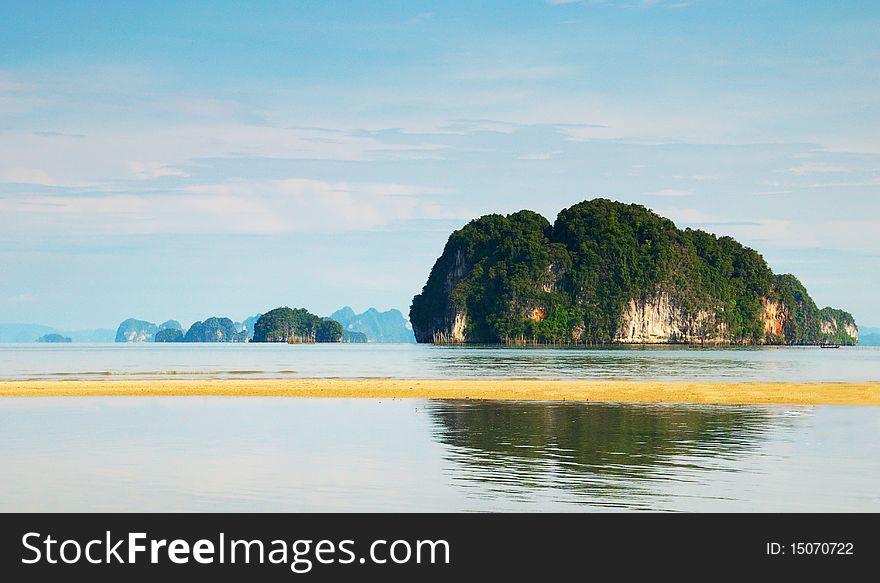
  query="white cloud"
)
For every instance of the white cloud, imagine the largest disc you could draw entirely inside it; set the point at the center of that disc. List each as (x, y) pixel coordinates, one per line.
(150, 170)
(541, 155)
(670, 192)
(817, 168)
(763, 233)
(27, 176)
(258, 206)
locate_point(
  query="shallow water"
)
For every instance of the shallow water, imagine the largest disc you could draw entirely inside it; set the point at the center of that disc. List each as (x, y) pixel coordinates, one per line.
(149, 360)
(288, 454)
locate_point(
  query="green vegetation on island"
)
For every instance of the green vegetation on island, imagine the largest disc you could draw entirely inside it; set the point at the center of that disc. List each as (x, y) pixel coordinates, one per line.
(168, 335)
(609, 272)
(351, 337)
(54, 338)
(295, 326)
(215, 329)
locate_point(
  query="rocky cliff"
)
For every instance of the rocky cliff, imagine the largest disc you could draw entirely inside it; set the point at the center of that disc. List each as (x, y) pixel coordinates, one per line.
(133, 330)
(657, 320)
(606, 272)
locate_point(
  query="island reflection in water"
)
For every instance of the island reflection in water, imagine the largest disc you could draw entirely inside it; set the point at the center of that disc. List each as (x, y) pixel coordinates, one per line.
(183, 454)
(612, 455)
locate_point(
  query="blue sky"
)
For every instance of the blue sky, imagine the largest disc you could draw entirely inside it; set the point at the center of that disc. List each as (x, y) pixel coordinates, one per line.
(171, 160)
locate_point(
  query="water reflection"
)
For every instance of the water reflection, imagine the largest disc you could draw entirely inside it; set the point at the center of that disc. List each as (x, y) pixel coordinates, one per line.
(611, 455)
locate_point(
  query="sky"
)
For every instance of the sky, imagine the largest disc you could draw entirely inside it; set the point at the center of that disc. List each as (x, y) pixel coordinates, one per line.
(185, 160)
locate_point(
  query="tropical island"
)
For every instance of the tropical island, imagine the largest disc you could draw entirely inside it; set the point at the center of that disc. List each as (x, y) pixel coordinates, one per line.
(54, 338)
(291, 325)
(606, 272)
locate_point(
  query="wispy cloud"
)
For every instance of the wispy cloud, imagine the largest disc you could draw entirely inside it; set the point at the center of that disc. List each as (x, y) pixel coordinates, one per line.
(541, 155)
(817, 168)
(27, 176)
(152, 169)
(673, 192)
(292, 205)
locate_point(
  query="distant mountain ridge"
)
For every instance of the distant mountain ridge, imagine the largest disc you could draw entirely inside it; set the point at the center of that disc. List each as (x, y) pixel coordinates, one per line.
(388, 326)
(869, 336)
(15, 332)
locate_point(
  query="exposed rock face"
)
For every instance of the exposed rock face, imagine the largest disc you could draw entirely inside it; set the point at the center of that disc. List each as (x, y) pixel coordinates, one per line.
(657, 320)
(774, 315)
(452, 326)
(454, 334)
(133, 330)
(833, 327)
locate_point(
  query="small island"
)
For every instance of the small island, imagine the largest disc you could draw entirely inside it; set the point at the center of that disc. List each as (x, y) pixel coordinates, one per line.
(606, 272)
(54, 338)
(296, 326)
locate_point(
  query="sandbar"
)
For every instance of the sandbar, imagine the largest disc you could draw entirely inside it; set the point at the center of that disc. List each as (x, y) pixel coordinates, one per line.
(795, 393)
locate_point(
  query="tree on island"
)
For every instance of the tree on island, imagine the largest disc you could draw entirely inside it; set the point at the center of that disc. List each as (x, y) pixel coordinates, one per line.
(295, 326)
(352, 337)
(215, 330)
(54, 338)
(328, 331)
(168, 335)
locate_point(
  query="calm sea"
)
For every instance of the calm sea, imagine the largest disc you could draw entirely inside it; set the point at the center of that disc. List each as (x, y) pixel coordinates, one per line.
(290, 454)
(24, 361)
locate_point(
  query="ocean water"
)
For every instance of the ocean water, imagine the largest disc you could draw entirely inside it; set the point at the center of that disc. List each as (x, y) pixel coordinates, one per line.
(292, 454)
(29, 361)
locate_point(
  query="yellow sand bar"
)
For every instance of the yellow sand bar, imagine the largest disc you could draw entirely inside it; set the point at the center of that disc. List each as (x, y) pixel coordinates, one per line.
(867, 393)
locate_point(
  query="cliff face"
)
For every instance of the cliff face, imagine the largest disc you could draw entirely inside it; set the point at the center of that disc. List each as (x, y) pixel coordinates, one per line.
(445, 324)
(773, 316)
(837, 328)
(657, 320)
(606, 272)
(133, 330)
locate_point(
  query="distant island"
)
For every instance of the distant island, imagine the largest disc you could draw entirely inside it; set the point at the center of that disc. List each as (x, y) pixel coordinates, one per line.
(215, 329)
(292, 325)
(296, 326)
(54, 338)
(606, 272)
(375, 326)
(133, 330)
(18, 332)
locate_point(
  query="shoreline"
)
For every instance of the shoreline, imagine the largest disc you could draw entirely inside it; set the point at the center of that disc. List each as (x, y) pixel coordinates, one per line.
(697, 392)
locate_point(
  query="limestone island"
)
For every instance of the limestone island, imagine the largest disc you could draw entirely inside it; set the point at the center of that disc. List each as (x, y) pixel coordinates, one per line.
(612, 273)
